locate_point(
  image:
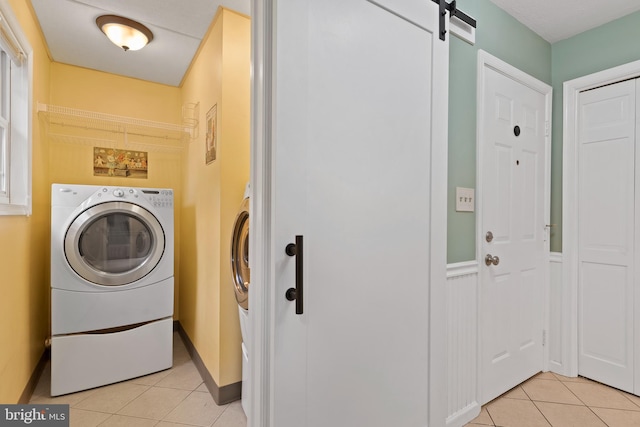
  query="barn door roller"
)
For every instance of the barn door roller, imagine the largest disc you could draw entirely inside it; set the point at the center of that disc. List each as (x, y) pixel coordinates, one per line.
(454, 12)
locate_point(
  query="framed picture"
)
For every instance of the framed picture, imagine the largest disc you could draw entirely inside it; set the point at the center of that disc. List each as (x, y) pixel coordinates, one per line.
(212, 134)
(120, 163)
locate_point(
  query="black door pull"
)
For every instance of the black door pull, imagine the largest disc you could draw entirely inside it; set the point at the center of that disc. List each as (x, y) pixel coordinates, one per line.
(295, 249)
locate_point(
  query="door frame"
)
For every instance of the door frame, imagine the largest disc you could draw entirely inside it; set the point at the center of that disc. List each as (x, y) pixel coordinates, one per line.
(571, 92)
(262, 320)
(486, 60)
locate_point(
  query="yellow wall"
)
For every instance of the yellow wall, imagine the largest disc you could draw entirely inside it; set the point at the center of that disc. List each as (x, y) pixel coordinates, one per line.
(24, 249)
(71, 150)
(212, 194)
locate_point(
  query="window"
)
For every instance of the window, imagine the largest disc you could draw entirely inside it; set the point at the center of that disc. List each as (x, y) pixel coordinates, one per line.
(5, 84)
(15, 116)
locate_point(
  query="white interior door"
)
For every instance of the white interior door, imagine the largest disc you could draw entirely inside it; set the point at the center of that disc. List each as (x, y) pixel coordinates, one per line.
(606, 212)
(512, 167)
(360, 173)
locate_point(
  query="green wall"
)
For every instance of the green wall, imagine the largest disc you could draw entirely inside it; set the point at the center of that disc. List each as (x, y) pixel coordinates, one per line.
(504, 37)
(601, 48)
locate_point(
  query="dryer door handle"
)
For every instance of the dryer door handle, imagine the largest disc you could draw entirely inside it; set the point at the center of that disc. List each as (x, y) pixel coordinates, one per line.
(296, 249)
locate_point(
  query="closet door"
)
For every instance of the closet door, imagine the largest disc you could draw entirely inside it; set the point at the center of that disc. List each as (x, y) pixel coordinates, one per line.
(607, 206)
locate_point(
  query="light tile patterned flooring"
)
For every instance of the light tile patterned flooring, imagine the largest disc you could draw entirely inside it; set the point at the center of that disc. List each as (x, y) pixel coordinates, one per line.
(176, 397)
(553, 400)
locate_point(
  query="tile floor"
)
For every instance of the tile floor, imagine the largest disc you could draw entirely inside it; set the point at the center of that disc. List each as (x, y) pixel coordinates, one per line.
(176, 397)
(553, 400)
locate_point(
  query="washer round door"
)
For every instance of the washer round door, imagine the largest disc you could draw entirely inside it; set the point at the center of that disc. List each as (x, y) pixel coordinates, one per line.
(240, 255)
(114, 243)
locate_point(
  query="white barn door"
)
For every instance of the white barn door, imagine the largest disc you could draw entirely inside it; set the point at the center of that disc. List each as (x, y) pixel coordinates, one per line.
(359, 171)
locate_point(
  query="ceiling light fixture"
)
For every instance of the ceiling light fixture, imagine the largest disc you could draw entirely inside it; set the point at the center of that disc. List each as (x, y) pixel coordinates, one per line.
(123, 32)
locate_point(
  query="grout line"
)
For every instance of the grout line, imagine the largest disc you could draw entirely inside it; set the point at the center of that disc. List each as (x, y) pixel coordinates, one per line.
(525, 392)
(564, 383)
(179, 403)
(560, 403)
(542, 413)
(490, 417)
(219, 416)
(562, 380)
(589, 407)
(627, 395)
(538, 377)
(583, 403)
(576, 396)
(597, 416)
(615, 409)
(534, 403)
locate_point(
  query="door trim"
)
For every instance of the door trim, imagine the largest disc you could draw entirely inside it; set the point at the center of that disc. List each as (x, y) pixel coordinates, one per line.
(262, 292)
(486, 60)
(261, 320)
(571, 91)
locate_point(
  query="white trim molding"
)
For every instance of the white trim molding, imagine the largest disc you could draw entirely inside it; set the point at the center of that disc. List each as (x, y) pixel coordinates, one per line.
(464, 268)
(555, 257)
(463, 403)
(571, 92)
(16, 44)
(462, 343)
(261, 320)
(558, 325)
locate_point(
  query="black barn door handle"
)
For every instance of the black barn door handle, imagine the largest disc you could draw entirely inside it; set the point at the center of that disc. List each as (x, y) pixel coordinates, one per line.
(296, 249)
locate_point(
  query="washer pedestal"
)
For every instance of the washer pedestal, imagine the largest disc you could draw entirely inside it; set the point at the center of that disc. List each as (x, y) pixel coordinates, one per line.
(244, 328)
(83, 361)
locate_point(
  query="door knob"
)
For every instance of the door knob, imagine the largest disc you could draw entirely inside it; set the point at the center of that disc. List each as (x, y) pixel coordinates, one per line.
(491, 260)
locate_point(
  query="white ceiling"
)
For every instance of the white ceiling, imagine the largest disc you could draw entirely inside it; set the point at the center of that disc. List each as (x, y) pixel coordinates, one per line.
(179, 25)
(556, 20)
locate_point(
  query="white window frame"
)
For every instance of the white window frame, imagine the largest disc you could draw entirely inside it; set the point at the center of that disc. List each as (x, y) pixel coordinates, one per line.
(5, 114)
(17, 199)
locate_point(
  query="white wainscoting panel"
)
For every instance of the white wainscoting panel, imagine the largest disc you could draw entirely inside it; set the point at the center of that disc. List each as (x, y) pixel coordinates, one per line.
(556, 325)
(462, 346)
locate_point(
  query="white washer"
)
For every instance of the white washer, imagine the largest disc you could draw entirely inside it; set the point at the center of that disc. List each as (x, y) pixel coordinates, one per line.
(112, 255)
(241, 280)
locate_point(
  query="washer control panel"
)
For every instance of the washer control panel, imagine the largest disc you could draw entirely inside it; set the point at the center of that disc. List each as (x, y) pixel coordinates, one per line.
(160, 198)
(119, 192)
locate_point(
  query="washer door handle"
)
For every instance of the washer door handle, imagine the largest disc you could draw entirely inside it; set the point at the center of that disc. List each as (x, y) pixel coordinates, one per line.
(296, 249)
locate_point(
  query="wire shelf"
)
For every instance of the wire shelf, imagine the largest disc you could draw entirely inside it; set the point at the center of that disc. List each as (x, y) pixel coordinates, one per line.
(76, 120)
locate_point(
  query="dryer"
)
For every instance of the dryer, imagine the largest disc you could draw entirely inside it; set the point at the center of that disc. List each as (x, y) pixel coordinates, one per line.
(112, 256)
(241, 276)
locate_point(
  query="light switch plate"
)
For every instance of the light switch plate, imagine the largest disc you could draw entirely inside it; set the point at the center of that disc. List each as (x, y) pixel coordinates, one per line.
(465, 199)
